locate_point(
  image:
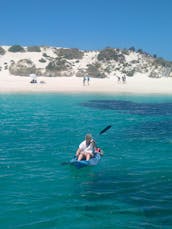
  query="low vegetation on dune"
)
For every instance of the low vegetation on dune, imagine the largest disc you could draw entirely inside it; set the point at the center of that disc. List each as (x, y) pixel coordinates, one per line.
(53, 61)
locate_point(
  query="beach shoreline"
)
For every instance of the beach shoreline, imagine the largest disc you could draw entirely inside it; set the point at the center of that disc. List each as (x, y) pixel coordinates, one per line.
(138, 84)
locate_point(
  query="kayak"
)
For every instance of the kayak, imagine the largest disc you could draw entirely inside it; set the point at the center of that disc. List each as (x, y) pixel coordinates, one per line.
(80, 164)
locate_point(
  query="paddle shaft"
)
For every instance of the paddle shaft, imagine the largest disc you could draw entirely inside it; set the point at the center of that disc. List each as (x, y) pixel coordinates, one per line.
(105, 129)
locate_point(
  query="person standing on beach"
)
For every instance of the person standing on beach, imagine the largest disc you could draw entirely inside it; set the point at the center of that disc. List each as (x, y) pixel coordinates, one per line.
(88, 80)
(124, 78)
(118, 79)
(84, 79)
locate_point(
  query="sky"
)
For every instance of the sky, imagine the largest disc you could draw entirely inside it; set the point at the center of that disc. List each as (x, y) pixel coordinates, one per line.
(89, 24)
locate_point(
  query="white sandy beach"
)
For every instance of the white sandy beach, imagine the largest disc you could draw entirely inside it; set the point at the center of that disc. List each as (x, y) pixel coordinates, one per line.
(137, 84)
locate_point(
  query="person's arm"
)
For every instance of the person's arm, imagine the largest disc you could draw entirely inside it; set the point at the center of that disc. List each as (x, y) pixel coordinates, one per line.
(91, 146)
(77, 152)
(93, 143)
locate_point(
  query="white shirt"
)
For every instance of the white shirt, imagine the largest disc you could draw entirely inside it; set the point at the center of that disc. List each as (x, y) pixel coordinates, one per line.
(85, 147)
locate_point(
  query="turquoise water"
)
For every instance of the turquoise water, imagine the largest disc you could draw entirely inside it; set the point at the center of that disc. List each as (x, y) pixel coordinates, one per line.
(130, 188)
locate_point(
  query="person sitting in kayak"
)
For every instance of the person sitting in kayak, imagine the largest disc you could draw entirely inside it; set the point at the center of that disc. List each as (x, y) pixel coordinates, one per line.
(86, 148)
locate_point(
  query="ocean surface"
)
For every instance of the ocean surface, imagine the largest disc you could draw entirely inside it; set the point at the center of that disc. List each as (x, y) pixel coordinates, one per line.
(131, 187)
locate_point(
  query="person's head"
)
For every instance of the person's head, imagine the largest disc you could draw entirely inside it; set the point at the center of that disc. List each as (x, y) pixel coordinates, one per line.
(88, 138)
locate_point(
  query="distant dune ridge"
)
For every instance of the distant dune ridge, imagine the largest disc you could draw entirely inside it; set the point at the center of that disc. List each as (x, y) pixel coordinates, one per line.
(67, 66)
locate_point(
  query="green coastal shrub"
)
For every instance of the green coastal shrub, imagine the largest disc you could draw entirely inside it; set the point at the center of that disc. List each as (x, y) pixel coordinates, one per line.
(94, 70)
(140, 51)
(2, 51)
(42, 60)
(16, 48)
(33, 49)
(130, 72)
(125, 51)
(81, 73)
(162, 62)
(132, 49)
(70, 54)
(23, 67)
(108, 54)
(45, 55)
(57, 65)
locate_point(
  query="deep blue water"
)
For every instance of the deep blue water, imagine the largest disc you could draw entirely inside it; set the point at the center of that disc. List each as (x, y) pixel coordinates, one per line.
(130, 188)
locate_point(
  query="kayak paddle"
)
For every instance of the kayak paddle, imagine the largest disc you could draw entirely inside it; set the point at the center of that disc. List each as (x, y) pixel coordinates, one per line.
(105, 129)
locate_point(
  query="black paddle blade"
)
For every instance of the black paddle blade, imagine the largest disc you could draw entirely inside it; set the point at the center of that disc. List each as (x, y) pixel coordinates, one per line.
(105, 129)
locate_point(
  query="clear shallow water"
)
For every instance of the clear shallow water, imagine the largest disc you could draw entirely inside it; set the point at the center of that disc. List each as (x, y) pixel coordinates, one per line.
(130, 188)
